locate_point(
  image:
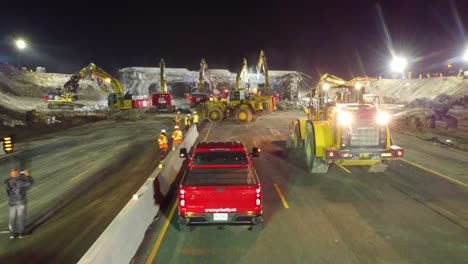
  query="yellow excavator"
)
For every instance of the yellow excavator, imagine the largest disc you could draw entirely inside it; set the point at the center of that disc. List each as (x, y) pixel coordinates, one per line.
(199, 96)
(343, 129)
(117, 99)
(163, 99)
(264, 93)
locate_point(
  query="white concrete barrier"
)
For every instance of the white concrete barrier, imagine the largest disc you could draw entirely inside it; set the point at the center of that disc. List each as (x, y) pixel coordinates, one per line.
(122, 238)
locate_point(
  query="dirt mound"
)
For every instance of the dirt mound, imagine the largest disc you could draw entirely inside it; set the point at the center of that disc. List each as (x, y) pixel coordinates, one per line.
(35, 84)
(407, 91)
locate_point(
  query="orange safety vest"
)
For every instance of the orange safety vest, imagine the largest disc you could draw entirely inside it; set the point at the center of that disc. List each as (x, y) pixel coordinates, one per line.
(177, 137)
(162, 141)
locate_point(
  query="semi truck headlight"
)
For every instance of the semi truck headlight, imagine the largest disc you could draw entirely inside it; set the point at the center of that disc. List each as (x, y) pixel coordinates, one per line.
(345, 118)
(383, 118)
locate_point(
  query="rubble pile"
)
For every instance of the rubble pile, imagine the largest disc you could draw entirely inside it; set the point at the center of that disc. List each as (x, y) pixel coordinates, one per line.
(145, 81)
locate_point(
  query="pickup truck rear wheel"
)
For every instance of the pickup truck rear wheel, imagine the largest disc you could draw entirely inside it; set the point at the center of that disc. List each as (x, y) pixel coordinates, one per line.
(257, 227)
(184, 228)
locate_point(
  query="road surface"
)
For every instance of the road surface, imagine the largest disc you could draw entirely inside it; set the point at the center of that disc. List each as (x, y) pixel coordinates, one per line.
(83, 176)
(405, 215)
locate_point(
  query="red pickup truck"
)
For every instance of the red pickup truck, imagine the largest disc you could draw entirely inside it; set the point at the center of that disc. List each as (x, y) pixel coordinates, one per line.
(220, 186)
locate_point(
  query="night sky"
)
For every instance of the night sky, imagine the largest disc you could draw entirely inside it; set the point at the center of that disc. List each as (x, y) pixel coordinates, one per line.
(345, 38)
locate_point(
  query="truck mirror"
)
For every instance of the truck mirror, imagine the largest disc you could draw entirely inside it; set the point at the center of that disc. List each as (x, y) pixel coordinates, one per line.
(255, 152)
(183, 153)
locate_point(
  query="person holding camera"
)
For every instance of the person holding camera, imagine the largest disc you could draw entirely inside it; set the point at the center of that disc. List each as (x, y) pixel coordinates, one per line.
(16, 190)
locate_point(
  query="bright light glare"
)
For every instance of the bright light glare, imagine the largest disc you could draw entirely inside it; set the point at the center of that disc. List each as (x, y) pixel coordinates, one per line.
(326, 86)
(465, 57)
(399, 64)
(20, 44)
(345, 118)
(383, 118)
(358, 85)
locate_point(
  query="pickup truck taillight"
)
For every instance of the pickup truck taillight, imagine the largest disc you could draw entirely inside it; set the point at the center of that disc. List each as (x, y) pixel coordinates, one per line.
(182, 198)
(258, 200)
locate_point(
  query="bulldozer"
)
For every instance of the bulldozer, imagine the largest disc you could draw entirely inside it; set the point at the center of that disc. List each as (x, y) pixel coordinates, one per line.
(238, 103)
(344, 129)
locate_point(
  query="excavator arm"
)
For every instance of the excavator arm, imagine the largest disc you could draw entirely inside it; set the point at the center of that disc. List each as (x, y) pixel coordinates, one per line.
(201, 76)
(242, 74)
(262, 66)
(162, 76)
(94, 71)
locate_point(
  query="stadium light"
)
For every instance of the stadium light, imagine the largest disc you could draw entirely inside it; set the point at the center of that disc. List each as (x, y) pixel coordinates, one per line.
(399, 64)
(20, 44)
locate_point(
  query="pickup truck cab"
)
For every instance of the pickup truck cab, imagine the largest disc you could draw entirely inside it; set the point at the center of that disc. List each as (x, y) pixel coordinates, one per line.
(220, 186)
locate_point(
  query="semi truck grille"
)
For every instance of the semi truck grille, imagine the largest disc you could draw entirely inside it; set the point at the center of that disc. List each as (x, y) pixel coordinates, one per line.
(364, 136)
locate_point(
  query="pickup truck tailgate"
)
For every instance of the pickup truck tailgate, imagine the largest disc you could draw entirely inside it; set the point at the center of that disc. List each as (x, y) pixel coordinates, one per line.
(220, 191)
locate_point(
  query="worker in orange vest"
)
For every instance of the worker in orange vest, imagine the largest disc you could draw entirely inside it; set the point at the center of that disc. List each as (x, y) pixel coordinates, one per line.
(178, 119)
(162, 141)
(176, 137)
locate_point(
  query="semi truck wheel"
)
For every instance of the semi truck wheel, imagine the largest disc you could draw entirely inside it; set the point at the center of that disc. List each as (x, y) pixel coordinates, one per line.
(314, 164)
(297, 138)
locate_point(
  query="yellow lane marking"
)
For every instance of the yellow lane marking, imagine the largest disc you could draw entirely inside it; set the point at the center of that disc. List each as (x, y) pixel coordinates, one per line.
(343, 168)
(161, 235)
(81, 174)
(208, 133)
(437, 173)
(280, 193)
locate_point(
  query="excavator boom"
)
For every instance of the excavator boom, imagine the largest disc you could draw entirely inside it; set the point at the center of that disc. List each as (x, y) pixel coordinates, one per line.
(242, 74)
(201, 76)
(162, 77)
(262, 66)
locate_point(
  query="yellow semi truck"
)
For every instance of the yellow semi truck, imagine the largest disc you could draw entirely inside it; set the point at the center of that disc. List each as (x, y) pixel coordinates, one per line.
(344, 130)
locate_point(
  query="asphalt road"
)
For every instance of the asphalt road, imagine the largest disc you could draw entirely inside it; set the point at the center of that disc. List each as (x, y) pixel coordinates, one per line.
(405, 215)
(83, 176)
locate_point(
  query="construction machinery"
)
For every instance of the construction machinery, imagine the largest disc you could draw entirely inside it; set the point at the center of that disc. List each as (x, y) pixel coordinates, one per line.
(199, 96)
(117, 99)
(344, 129)
(264, 93)
(237, 104)
(163, 99)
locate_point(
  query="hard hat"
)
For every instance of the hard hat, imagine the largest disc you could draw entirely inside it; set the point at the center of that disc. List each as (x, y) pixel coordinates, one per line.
(176, 127)
(163, 130)
(178, 112)
(194, 112)
(188, 115)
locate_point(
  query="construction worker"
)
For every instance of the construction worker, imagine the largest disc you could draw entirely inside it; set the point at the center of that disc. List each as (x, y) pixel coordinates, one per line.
(187, 122)
(162, 141)
(195, 118)
(176, 137)
(178, 119)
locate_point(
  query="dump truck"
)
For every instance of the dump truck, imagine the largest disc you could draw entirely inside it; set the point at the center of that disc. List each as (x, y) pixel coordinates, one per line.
(344, 130)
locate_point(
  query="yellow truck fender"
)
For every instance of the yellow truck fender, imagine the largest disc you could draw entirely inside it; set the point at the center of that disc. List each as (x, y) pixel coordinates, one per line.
(322, 134)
